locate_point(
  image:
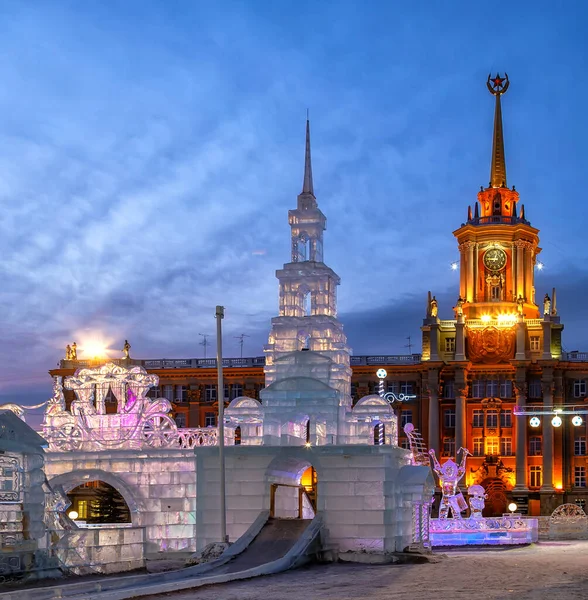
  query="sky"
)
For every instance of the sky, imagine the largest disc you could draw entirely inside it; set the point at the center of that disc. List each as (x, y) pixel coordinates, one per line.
(150, 151)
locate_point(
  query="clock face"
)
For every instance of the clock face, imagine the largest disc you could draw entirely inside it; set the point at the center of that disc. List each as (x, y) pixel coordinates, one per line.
(495, 259)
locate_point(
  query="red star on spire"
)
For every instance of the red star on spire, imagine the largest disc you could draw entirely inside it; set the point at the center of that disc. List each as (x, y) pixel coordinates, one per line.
(498, 81)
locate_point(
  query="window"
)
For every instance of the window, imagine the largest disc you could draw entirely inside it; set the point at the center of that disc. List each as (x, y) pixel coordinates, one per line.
(535, 476)
(535, 343)
(236, 391)
(393, 387)
(450, 344)
(478, 418)
(492, 386)
(210, 419)
(405, 416)
(82, 509)
(449, 417)
(580, 477)
(492, 419)
(506, 388)
(492, 446)
(210, 392)
(506, 446)
(580, 446)
(180, 419)
(506, 418)
(153, 393)
(404, 443)
(168, 392)
(181, 393)
(579, 388)
(406, 387)
(448, 446)
(535, 445)
(478, 388)
(535, 388)
(449, 389)
(478, 446)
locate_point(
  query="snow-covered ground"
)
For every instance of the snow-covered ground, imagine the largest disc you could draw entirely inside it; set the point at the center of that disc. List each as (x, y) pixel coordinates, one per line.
(548, 570)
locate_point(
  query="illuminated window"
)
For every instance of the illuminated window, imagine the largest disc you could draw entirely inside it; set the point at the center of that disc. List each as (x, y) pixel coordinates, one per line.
(535, 445)
(478, 418)
(168, 392)
(210, 392)
(506, 446)
(580, 476)
(535, 476)
(492, 446)
(580, 446)
(450, 344)
(506, 418)
(405, 416)
(492, 386)
(579, 388)
(82, 509)
(505, 388)
(478, 388)
(478, 446)
(449, 417)
(181, 393)
(448, 446)
(535, 343)
(492, 419)
(209, 419)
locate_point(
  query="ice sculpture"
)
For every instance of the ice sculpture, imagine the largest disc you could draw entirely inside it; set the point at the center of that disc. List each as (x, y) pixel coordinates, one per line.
(477, 500)
(449, 476)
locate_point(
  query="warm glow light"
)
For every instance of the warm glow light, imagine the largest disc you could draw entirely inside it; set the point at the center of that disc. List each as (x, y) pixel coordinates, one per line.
(73, 514)
(556, 421)
(486, 318)
(307, 444)
(454, 266)
(381, 373)
(577, 420)
(507, 318)
(534, 422)
(558, 486)
(93, 345)
(512, 507)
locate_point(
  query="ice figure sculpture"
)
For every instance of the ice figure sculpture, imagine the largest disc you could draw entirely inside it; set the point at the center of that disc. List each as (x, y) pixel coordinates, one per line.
(449, 476)
(477, 500)
(417, 446)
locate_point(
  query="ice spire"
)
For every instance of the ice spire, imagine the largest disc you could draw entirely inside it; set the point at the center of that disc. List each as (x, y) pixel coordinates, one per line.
(497, 87)
(307, 187)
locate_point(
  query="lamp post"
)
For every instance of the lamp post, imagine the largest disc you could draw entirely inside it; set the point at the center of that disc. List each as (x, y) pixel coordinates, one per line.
(220, 313)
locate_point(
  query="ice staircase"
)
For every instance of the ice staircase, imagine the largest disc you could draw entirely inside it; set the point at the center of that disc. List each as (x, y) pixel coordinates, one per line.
(268, 547)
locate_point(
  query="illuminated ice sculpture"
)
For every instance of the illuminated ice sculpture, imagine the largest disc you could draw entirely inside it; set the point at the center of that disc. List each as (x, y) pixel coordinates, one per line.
(477, 501)
(449, 475)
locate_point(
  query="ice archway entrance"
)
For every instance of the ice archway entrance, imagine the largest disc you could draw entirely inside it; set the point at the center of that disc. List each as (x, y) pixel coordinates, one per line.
(293, 487)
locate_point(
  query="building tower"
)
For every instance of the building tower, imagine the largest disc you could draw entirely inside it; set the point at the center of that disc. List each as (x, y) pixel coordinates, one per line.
(500, 329)
(308, 294)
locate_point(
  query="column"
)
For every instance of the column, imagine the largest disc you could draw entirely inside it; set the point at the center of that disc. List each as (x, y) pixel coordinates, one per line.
(513, 284)
(460, 338)
(529, 271)
(434, 341)
(471, 282)
(520, 272)
(476, 260)
(462, 271)
(546, 338)
(521, 353)
(461, 392)
(433, 386)
(521, 439)
(547, 486)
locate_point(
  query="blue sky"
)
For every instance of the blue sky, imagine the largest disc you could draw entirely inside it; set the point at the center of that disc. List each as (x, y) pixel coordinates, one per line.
(150, 151)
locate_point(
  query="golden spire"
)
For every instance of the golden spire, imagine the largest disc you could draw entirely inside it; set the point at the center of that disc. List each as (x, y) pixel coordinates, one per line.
(497, 87)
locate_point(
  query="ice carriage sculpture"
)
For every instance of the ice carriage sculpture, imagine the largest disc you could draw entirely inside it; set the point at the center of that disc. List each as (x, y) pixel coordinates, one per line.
(139, 421)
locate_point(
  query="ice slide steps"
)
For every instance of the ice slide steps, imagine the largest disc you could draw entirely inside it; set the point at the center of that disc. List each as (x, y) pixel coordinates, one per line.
(269, 546)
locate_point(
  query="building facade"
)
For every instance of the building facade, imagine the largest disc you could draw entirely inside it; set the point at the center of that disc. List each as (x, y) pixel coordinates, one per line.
(488, 380)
